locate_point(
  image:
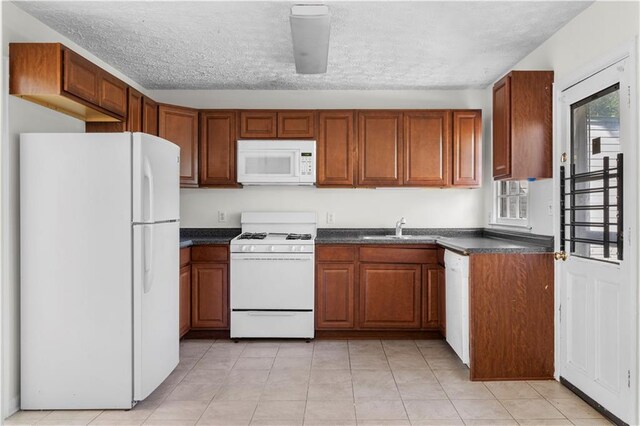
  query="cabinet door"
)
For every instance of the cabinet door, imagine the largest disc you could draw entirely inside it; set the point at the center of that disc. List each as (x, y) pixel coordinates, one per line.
(81, 77)
(502, 128)
(335, 298)
(217, 148)
(258, 124)
(113, 94)
(430, 297)
(467, 147)
(427, 147)
(209, 295)
(149, 116)
(134, 111)
(185, 299)
(296, 124)
(390, 296)
(335, 148)
(180, 126)
(442, 302)
(380, 148)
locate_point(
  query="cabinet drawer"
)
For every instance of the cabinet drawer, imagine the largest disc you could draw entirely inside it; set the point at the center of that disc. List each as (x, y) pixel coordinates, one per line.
(397, 255)
(185, 256)
(209, 254)
(335, 254)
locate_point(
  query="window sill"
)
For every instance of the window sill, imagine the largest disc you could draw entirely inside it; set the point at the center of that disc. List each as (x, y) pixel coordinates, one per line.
(510, 225)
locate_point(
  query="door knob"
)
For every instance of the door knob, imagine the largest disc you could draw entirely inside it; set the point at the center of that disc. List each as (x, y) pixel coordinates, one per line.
(560, 255)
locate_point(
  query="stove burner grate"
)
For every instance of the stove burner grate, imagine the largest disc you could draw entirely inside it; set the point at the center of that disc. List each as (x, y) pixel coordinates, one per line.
(253, 236)
(298, 237)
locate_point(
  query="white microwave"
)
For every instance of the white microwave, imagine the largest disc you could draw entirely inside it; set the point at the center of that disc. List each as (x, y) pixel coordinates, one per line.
(276, 162)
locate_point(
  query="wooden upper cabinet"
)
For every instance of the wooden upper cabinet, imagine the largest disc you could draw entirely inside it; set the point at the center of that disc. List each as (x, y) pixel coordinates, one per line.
(113, 94)
(134, 111)
(217, 148)
(81, 77)
(258, 124)
(379, 148)
(522, 125)
(296, 124)
(149, 116)
(180, 126)
(335, 296)
(390, 296)
(467, 148)
(427, 147)
(335, 149)
(56, 77)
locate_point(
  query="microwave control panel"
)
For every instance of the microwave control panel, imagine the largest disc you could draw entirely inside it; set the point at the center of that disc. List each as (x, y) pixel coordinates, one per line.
(306, 163)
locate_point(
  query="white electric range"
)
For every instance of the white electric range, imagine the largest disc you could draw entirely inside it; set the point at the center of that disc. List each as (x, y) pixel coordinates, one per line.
(272, 276)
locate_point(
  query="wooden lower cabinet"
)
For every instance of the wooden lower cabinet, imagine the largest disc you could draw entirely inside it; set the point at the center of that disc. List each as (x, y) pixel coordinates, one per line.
(442, 302)
(430, 297)
(335, 296)
(185, 299)
(390, 296)
(209, 295)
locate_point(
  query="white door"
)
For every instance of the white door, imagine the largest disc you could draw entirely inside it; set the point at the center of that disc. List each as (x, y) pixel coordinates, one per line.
(597, 290)
(155, 305)
(156, 179)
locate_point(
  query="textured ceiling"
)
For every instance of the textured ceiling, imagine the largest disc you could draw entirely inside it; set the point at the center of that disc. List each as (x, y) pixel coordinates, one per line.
(247, 45)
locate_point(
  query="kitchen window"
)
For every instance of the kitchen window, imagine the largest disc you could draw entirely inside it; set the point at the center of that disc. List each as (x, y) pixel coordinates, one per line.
(511, 203)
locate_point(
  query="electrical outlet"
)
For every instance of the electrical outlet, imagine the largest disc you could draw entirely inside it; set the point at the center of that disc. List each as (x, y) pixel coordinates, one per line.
(550, 209)
(222, 216)
(331, 218)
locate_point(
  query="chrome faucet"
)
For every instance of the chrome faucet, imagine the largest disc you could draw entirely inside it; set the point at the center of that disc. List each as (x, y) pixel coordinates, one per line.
(399, 224)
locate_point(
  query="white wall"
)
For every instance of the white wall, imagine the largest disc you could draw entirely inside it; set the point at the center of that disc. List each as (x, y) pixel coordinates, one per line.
(599, 29)
(352, 207)
(22, 117)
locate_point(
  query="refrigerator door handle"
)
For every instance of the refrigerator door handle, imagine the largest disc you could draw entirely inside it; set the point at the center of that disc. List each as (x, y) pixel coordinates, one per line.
(147, 232)
(148, 189)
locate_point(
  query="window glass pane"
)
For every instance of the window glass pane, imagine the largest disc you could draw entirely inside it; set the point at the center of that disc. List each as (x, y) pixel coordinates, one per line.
(524, 187)
(514, 187)
(502, 211)
(502, 188)
(513, 207)
(523, 208)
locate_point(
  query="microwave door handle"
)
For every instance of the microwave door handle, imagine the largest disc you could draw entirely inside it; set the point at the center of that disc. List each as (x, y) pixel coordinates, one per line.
(298, 159)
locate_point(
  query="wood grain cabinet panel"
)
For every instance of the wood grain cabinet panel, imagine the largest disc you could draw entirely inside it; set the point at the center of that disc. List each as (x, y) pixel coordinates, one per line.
(390, 296)
(180, 126)
(185, 299)
(149, 116)
(467, 148)
(522, 125)
(218, 148)
(380, 148)
(81, 77)
(113, 94)
(335, 148)
(511, 318)
(134, 110)
(442, 302)
(427, 147)
(430, 297)
(335, 296)
(209, 296)
(258, 124)
(296, 124)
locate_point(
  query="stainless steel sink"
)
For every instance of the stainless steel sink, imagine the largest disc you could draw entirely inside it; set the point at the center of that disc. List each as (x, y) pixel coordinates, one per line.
(401, 237)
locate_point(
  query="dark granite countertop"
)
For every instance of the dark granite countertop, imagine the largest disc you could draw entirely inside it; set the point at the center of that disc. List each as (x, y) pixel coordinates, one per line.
(463, 240)
(198, 236)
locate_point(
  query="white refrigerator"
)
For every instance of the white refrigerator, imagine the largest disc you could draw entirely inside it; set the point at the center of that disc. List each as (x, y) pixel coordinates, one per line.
(99, 249)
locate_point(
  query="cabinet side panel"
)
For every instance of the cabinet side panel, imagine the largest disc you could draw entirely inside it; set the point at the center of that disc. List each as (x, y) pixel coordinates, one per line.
(511, 316)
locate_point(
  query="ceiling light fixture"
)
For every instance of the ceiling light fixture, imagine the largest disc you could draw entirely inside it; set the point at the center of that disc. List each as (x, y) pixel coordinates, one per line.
(310, 35)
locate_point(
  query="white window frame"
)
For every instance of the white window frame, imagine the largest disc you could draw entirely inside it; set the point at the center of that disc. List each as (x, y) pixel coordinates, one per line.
(504, 221)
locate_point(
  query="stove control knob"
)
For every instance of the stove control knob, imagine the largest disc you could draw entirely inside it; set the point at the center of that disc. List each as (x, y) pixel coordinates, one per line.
(252, 248)
(293, 248)
(301, 248)
(244, 248)
(272, 248)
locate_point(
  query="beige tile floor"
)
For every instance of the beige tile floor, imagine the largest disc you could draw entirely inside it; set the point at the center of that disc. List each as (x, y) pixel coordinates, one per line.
(358, 382)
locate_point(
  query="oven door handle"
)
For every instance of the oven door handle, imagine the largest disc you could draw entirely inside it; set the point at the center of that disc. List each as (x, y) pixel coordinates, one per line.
(271, 314)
